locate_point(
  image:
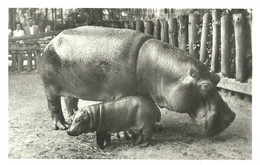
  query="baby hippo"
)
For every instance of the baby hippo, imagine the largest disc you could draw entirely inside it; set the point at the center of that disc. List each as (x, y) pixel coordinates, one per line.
(133, 113)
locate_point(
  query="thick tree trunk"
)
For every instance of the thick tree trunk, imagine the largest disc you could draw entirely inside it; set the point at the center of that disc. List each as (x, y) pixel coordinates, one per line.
(183, 32)
(215, 42)
(164, 31)
(193, 35)
(239, 28)
(204, 36)
(225, 62)
(173, 32)
(157, 29)
(148, 27)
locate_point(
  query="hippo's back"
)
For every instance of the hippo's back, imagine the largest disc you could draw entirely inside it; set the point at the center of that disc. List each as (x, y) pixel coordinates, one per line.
(92, 63)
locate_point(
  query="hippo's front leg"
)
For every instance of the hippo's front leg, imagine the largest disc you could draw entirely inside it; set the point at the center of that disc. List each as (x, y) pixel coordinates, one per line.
(71, 106)
(54, 104)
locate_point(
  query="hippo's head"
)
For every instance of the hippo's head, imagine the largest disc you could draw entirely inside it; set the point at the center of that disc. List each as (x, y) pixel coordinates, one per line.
(197, 95)
(80, 124)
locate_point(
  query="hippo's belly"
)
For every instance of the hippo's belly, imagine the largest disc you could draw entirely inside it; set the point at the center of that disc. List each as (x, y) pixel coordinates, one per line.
(92, 63)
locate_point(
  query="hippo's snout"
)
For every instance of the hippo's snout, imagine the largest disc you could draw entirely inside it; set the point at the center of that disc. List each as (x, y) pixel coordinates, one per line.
(71, 133)
(223, 122)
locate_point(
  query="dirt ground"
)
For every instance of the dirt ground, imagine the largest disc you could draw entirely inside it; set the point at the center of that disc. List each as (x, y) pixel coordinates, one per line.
(30, 134)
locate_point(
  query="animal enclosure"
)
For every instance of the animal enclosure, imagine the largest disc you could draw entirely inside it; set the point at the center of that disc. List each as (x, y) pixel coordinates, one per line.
(220, 39)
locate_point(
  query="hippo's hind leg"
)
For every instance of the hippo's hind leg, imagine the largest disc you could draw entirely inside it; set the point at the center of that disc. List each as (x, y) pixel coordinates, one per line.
(54, 104)
(71, 106)
(147, 136)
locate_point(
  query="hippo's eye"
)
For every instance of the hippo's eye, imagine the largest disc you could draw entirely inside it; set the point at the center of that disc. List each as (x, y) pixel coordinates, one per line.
(77, 120)
(206, 87)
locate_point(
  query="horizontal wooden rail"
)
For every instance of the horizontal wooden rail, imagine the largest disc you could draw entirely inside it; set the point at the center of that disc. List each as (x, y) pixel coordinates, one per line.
(236, 86)
(30, 48)
(34, 36)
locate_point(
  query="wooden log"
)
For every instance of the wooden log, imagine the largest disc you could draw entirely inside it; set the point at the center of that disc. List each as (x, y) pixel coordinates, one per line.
(239, 29)
(139, 26)
(29, 62)
(173, 32)
(164, 31)
(19, 62)
(183, 32)
(148, 27)
(215, 41)
(157, 29)
(193, 35)
(225, 61)
(204, 37)
(132, 25)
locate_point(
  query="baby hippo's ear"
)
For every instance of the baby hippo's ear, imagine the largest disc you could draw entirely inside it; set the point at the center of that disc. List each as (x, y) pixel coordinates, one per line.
(194, 73)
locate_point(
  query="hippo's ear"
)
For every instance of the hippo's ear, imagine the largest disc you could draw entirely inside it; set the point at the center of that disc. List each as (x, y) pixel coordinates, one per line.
(194, 73)
(214, 78)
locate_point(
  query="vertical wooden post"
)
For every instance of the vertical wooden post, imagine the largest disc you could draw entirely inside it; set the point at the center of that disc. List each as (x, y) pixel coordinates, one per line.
(164, 31)
(148, 27)
(183, 32)
(225, 62)
(204, 36)
(239, 29)
(55, 19)
(29, 62)
(37, 56)
(61, 16)
(126, 25)
(14, 60)
(139, 26)
(173, 33)
(46, 17)
(52, 18)
(157, 29)
(132, 25)
(20, 62)
(215, 41)
(193, 35)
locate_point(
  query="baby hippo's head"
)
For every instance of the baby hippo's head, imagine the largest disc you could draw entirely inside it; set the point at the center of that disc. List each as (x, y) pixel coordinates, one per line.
(80, 124)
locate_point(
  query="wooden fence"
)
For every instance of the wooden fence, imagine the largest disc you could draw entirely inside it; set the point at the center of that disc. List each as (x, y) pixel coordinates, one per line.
(184, 32)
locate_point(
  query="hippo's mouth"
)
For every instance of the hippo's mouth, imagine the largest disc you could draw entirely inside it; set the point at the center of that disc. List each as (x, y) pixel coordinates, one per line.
(72, 133)
(220, 125)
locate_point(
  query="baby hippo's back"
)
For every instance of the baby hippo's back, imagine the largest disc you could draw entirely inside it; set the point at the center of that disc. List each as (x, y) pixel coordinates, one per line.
(133, 112)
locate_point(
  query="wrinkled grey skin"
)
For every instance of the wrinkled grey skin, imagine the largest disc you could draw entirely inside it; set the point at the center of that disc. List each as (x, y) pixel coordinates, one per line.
(133, 113)
(105, 64)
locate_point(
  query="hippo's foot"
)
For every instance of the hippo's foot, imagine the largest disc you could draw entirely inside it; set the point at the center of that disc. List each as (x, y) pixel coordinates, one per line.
(107, 139)
(139, 139)
(101, 137)
(117, 136)
(147, 136)
(59, 124)
(145, 144)
(157, 128)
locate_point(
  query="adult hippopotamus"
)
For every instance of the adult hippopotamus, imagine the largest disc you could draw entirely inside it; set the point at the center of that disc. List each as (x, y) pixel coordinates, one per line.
(105, 64)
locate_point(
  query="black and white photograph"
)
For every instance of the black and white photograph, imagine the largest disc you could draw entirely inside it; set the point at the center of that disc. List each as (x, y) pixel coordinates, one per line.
(131, 83)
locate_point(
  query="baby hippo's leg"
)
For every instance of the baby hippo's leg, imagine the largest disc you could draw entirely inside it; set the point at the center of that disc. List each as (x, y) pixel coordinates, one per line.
(101, 136)
(147, 136)
(107, 138)
(138, 138)
(117, 135)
